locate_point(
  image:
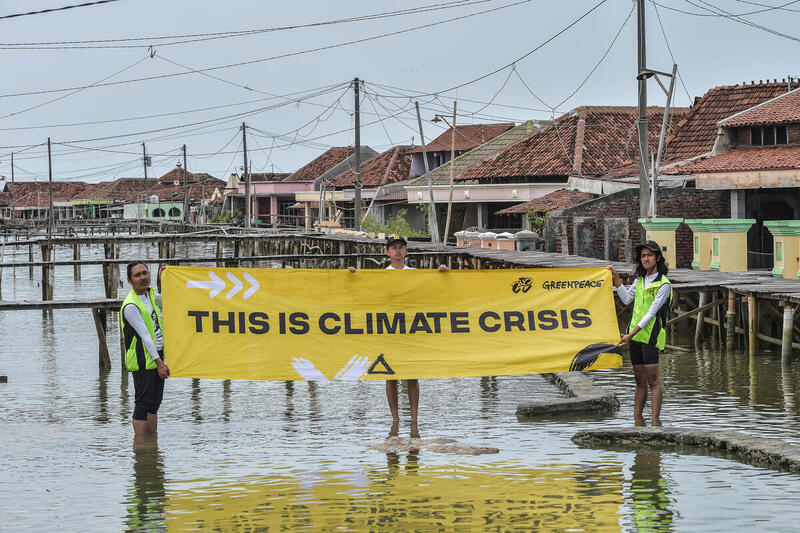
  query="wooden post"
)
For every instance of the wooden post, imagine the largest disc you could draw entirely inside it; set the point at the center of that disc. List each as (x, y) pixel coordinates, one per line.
(788, 330)
(47, 277)
(220, 264)
(76, 256)
(698, 332)
(30, 260)
(752, 323)
(730, 320)
(341, 252)
(99, 316)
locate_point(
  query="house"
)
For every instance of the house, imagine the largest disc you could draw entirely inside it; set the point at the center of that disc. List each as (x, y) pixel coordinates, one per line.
(516, 216)
(470, 197)
(382, 178)
(467, 137)
(310, 183)
(31, 199)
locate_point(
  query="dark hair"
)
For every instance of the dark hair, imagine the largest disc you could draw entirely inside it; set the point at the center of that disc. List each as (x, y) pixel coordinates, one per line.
(661, 264)
(133, 264)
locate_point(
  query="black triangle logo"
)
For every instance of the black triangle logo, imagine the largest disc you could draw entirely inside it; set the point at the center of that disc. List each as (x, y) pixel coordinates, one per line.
(383, 369)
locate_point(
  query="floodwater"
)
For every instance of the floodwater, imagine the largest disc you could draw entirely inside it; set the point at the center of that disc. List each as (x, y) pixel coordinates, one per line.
(274, 456)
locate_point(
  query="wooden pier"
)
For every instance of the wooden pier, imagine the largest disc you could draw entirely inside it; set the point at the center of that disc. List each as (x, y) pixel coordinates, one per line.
(728, 309)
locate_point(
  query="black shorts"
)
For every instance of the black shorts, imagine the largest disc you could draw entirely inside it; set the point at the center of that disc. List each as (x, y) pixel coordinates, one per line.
(643, 354)
(149, 389)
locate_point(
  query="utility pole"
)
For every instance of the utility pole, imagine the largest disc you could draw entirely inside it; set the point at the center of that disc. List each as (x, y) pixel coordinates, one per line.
(433, 222)
(50, 177)
(185, 189)
(644, 183)
(357, 114)
(144, 161)
(247, 207)
(452, 163)
(13, 192)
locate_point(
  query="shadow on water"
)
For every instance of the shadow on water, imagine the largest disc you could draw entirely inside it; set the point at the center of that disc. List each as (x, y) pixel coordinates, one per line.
(145, 498)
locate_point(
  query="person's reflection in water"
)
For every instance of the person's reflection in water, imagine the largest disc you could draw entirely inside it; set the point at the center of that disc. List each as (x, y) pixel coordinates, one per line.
(146, 498)
(226, 400)
(102, 397)
(650, 497)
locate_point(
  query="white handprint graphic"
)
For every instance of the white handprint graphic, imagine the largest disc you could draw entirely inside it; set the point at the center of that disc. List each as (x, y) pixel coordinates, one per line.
(353, 370)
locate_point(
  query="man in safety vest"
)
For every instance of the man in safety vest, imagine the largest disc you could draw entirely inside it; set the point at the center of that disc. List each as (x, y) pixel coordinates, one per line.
(651, 293)
(142, 330)
(397, 249)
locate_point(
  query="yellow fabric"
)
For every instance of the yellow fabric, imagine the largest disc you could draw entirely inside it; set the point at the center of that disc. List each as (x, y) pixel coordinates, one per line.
(299, 324)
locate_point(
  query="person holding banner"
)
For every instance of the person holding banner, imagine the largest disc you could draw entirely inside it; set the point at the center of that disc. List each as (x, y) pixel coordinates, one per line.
(397, 249)
(142, 327)
(651, 293)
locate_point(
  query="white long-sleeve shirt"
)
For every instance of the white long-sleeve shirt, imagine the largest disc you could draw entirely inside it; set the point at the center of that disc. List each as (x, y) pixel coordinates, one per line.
(134, 319)
(627, 295)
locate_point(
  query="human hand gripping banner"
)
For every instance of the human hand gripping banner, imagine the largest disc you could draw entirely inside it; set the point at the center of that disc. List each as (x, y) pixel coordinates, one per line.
(320, 325)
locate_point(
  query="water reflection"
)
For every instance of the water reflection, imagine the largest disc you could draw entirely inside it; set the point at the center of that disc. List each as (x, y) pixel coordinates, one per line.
(145, 499)
(196, 414)
(403, 495)
(649, 493)
(102, 397)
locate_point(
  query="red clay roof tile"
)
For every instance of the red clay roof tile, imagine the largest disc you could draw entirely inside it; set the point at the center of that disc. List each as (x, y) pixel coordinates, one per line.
(555, 201)
(391, 166)
(589, 140)
(744, 159)
(322, 164)
(782, 109)
(468, 136)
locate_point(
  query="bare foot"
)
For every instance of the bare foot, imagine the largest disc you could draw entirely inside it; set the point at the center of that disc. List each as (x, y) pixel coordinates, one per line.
(656, 422)
(395, 429)
(414, 431)
(638, 421)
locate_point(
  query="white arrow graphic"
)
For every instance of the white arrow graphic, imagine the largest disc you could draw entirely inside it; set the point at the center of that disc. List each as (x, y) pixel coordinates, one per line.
(216, 284)
(237, 286)
(254, 285)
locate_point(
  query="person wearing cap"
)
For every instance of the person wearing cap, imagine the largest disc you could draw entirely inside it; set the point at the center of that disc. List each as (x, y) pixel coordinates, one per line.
(651, 293)
(397, 249)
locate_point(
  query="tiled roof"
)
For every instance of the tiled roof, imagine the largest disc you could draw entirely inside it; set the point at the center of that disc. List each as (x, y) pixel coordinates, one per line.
(696, 135)
(744, 159)
(555, 201)
(589, 141)
(468, 136)
(176, 174)
(267, 176)
(322, 164)
(391, 166)
(780, 110)
(441, 175)
(36, 194)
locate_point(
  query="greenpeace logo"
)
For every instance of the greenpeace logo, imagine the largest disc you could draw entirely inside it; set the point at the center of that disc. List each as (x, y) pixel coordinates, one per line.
(573, 284)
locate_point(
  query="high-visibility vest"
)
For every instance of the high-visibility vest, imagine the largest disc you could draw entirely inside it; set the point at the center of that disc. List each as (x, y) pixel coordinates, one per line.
(135, 350)
(654, 333)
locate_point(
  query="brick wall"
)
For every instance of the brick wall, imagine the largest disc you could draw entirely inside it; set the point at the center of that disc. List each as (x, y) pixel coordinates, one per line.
(672, 203)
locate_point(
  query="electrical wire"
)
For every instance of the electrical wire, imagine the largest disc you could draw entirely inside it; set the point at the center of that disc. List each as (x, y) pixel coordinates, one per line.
(197, 37)
(737, 18)
(669, 49)
(712, 14)
(280, 56)
(51, 10)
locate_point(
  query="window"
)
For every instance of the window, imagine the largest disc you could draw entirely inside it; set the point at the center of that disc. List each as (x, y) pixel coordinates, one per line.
(174, 212)
(158, 212)
(769, 136)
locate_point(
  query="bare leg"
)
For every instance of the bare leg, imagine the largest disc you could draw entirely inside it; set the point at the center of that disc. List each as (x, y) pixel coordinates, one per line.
(656, 393)
(640, 396)
(413, 401)
(152, 423)
(391, 397)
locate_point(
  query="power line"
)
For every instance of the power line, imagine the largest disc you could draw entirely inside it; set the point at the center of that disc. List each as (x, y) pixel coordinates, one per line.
(63, 8)
(713, 14)
(279, 56)
(196, 37)
(737, 18)
(669, 49)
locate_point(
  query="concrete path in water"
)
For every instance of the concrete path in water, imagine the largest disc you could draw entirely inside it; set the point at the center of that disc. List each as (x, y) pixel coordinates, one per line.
(758, 450)
(584, 397)
(403, 444)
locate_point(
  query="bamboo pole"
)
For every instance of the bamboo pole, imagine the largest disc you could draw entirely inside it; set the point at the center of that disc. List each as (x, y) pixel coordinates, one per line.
(730, 320)
(788, 330)
(752, 323)
(698, 331)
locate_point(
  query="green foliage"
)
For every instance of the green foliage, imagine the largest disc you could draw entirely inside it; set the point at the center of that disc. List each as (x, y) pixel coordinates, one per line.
(226, 217)
(396, 225)
(537, 220)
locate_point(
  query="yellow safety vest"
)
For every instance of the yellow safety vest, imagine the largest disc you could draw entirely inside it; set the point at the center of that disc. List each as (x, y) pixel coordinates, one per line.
(135, 350)
(654, 333)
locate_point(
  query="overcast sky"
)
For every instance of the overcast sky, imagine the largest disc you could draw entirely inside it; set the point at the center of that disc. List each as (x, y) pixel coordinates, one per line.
(300, 104)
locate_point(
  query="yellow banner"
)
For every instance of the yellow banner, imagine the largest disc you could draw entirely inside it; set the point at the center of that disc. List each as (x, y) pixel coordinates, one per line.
(298, 324)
